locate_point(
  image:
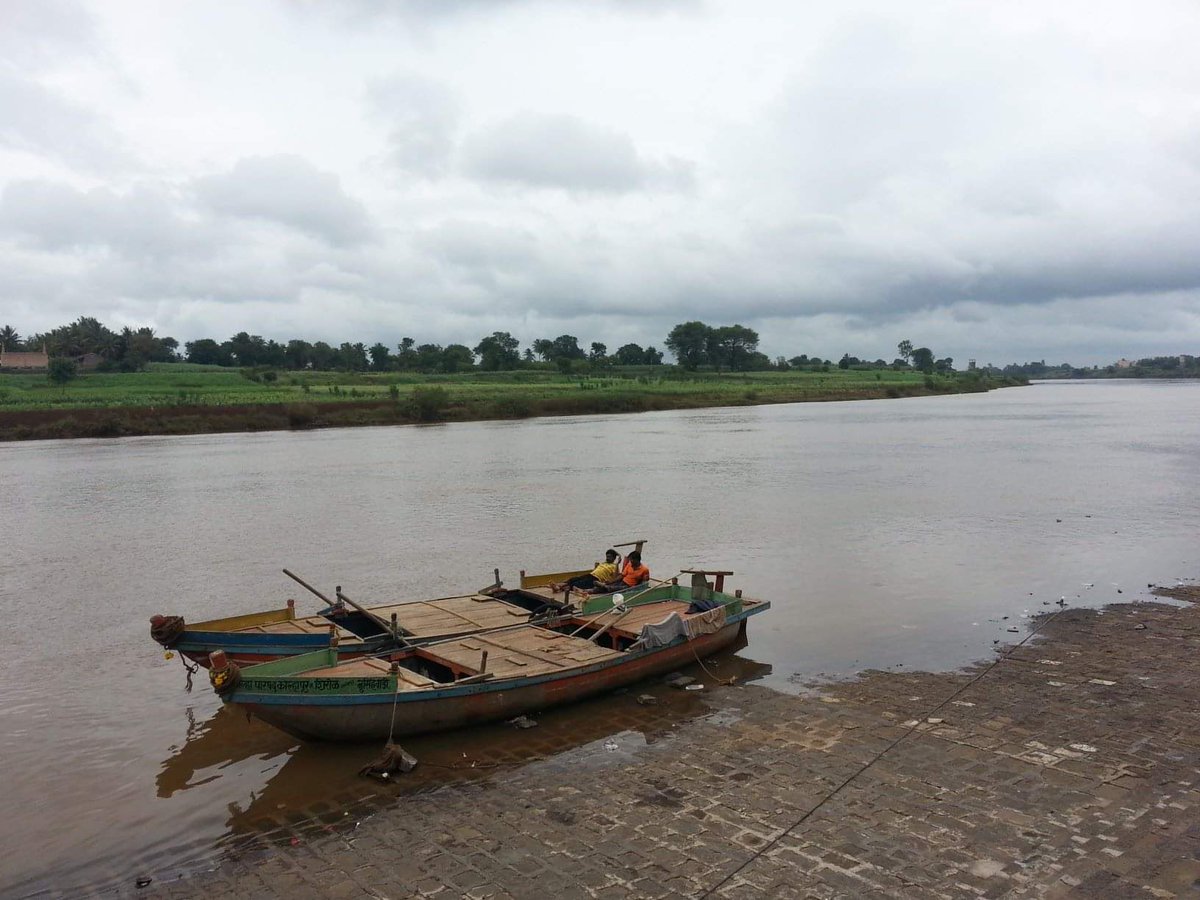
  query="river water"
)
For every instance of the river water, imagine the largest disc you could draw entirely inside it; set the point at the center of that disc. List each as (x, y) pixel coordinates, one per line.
(895, 533)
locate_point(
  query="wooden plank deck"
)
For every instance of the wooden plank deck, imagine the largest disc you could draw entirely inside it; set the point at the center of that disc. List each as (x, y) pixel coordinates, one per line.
(522, 651)
(452, 615)
(306, 625)
(631, 625)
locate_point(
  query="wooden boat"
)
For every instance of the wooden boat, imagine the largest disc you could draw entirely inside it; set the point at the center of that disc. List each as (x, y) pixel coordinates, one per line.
(493, 674)
(355, 630)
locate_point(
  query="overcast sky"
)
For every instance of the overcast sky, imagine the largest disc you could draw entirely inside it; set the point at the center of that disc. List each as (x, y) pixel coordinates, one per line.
(999, 181)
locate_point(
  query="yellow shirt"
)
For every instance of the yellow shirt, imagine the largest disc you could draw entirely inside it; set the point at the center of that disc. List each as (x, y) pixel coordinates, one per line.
(605, 572)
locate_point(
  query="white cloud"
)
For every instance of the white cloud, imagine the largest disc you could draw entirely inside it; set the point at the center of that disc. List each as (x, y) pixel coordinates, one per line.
(563, 151)
(290, 191)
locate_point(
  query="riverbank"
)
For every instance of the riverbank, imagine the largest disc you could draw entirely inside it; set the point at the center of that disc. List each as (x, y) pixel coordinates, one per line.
(201, 401)
(1065, 767)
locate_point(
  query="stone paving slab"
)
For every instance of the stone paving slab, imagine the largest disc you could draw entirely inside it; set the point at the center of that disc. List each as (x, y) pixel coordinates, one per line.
(1068, 767)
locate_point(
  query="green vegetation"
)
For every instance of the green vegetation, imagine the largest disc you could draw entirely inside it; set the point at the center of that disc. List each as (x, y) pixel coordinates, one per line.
(173, 398)
(1181, 366)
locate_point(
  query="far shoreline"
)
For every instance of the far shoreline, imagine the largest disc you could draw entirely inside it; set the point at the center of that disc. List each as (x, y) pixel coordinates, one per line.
(189, 419)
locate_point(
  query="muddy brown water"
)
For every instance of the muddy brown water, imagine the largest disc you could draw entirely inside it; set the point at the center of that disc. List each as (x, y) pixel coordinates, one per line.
(888, 534)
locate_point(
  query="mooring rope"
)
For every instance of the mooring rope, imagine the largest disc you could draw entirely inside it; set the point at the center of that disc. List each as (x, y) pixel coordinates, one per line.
(878, 756)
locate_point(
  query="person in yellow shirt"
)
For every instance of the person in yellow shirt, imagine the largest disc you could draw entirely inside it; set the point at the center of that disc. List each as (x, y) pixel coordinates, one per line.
(604, 573)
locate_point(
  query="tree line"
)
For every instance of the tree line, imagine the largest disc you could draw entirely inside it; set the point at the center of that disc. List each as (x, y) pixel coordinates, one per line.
(694, 344)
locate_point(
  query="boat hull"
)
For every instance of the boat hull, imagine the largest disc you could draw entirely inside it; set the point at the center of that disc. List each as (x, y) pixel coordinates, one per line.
(375, 716)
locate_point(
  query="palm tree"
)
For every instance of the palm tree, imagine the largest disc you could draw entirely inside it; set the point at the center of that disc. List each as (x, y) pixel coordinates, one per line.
(9, 339)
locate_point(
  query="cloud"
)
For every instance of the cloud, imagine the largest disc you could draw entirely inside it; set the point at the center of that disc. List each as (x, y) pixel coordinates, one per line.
(36, 33)
(422, 117)
(138, 224)
(39, 121)
(561, 151)
(289, 191)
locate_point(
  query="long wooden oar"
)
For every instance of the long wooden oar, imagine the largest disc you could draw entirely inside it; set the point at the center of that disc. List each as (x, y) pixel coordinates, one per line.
(378, 620)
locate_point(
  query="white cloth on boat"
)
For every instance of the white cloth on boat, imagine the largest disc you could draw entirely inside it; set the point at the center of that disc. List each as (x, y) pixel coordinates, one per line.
(705, 622)
(665, 632)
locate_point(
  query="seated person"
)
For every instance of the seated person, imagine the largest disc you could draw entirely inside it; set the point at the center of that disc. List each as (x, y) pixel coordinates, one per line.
(602, 574)
(633, 573)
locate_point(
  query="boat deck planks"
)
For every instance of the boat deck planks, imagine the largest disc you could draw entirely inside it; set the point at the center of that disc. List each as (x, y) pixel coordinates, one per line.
(452, 615)
(523, 651)
(631, 624)
(307, 625)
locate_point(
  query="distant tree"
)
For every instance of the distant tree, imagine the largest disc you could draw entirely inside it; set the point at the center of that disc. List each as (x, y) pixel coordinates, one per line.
(566, 346)
(324, 357)
(630, 355)
(353, 357)
(247, 349)
(206, 352)
(922, 359)
(9, 339)
(781, 364)
(598, 352)
(732, 346)
(498, 352)
(60, 370)
(688, 341)
(297, 354)
(429, 358)
(946, 366)
(844, 362)
(381, 357)
(906, 350)
(653, 356)
(899, 363)
(544, 347)
(406, 358)
(527, 356)
(457, 358)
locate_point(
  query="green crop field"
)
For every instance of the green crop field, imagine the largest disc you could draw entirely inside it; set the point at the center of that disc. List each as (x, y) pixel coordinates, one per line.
(172, 398)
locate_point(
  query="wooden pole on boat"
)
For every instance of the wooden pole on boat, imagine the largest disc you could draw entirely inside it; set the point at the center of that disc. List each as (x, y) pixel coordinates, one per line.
(308, 587)
(595, 638)
(393, 629)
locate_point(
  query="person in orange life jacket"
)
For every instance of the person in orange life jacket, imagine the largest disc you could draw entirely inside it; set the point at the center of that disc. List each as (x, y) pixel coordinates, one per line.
(634, 573)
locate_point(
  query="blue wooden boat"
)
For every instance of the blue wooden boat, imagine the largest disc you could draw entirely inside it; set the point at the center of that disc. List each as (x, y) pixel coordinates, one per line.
(280, 633)
(490, 674)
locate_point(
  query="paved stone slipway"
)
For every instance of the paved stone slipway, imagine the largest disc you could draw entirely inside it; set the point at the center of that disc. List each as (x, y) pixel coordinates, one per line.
(1071, 767)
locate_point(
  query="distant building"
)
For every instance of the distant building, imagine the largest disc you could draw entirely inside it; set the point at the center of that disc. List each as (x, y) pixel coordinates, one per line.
(971, 365)
(89, 361)
(24, 360)
(1124, 363)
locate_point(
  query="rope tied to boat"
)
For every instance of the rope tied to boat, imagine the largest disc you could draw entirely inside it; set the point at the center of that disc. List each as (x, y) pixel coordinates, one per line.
(167, 630)
(395, 759)
(191, 669)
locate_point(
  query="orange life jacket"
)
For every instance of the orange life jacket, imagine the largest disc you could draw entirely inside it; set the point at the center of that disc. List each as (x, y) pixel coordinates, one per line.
(632, 576)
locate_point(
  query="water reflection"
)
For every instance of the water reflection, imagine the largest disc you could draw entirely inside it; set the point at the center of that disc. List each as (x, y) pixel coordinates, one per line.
(314, 779)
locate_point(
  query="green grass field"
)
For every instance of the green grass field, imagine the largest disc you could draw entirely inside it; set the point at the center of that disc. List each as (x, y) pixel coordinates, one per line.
(180, 399)
(189, 385)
